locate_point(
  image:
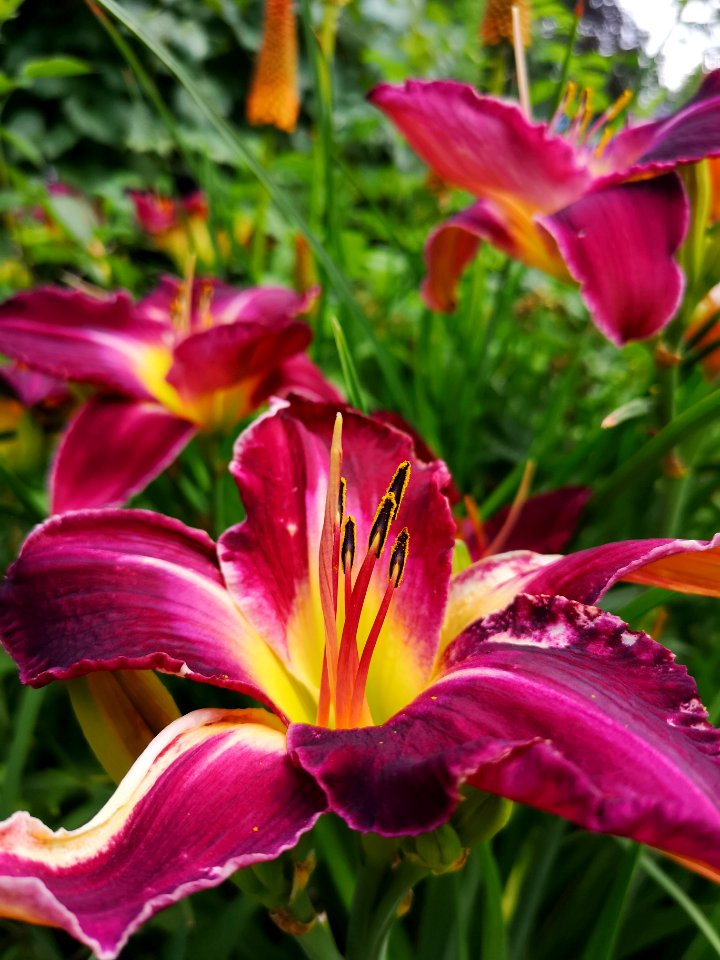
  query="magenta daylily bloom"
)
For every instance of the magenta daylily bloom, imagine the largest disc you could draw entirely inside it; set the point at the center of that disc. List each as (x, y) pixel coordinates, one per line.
(167, 367)
(609, 214)
(379, 715)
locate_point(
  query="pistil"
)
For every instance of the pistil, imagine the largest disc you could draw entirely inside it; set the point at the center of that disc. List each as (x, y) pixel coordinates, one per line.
(329, 563)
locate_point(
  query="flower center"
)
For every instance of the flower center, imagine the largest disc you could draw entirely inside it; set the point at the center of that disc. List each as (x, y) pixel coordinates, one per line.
(577, 126)
(344, 670)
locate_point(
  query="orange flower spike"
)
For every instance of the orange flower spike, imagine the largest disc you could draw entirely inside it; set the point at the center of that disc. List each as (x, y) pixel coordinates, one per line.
(497, 24)
(274, 95)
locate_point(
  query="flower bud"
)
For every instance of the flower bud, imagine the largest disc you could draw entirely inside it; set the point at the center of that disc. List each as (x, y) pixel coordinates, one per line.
(480, 816)
(439, 851)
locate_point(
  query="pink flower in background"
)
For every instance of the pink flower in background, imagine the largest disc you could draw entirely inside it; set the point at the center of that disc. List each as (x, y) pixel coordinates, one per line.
(176, 363)
(609, 213)
(388, 683)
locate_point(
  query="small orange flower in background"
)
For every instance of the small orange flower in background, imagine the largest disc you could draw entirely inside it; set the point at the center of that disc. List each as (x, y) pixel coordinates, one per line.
(274, 97)
(497, 22)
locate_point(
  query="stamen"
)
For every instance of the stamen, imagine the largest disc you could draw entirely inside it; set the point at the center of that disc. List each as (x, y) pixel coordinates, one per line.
(398, 557)
(347, 556)
(398, 484)
(520, 65)
(395, 575)
(385, 515)
(476, 523)
(520, 497)
(566, 101)
(342, 495)
(347, 552)
(582, 115)
(348, 654)
(612, 113)
(329, 563)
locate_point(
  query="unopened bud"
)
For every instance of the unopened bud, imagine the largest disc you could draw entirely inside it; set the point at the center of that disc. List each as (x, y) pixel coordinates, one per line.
(480, 816)
(439, 851)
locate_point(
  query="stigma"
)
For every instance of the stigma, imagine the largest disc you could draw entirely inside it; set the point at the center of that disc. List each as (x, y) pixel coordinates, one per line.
(342, 701)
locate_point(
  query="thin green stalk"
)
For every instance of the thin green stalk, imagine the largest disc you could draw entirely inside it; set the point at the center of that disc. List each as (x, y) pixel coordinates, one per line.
(682, 900)
(533, 890)
(565, 73)
(603, 939)
(379, 892)
(30, 703)
(259, 239)
(682, 427)
(494, 934)
(321, 54)
(352, 381)
(318, 943)
(280, 199)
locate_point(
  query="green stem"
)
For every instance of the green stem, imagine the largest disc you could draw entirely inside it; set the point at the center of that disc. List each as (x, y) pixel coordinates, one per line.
(494, 934)
(607, 927)
(259, 245)
(682, 427)
(31, 701)
(379, 892)
(682, 900)
(318, 942)
(562, 82)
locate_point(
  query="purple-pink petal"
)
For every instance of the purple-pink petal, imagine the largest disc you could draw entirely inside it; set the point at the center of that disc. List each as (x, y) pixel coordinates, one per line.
(691, 566)
(32, 387)
(224, 355)
(483, 145)
(116, 589)
(71, 335)
(619, 243)
(112, 449)
(451, 247)
(688, 135)
(298, 374)
(549, 703)
(213, 793)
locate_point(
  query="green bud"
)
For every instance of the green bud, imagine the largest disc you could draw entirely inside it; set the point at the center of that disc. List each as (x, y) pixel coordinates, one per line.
(480, 816)
(439, 851)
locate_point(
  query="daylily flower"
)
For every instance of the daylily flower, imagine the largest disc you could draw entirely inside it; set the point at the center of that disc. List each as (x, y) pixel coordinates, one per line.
(384, 690)
(609, 213)
(174, 364)
(180, 227)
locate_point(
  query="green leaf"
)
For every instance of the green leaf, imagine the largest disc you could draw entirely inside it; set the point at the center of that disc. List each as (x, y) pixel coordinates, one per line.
(54, 67)
(7, 84)
(26, 148)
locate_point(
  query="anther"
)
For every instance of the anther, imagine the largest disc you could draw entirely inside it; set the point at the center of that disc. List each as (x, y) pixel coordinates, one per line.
(398, 484)
(342, 493)
(395, 575)
(387, 508)
(347, 551)
(398, 557)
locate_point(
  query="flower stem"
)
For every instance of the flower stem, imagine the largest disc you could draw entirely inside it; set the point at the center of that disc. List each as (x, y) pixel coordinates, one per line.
(379, 892)
(318, 942)
(605, 933)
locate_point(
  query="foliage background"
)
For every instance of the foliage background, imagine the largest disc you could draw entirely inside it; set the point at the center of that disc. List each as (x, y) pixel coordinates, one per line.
(517, 373)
